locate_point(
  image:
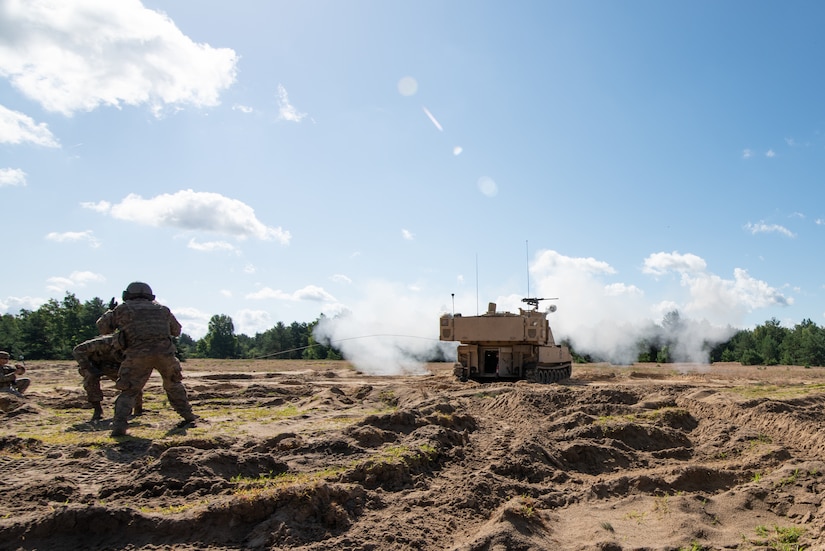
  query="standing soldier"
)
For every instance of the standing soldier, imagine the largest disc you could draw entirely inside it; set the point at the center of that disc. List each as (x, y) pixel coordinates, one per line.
(145, 331)
(10, 376)
(96, 358)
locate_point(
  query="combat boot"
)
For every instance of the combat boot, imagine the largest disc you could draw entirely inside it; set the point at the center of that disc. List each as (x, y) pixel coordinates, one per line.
(98, 412)
(138, 409)
(119, 428)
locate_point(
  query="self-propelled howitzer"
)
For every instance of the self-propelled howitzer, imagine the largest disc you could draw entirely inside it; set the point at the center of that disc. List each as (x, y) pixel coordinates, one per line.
(507, 346)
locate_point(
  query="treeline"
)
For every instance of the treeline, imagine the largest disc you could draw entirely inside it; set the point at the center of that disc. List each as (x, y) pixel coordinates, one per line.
(54, 329)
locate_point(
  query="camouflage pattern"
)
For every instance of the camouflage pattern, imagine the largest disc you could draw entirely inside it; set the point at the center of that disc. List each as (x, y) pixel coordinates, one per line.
(10, 379)
(145, 335)
(96, 358)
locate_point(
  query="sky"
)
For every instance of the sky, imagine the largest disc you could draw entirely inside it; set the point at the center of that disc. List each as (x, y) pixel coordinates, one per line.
(383, 163)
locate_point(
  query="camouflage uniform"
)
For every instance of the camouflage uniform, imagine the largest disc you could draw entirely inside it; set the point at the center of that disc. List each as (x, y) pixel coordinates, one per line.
(96, 358)
(145, 335)
(9, 379)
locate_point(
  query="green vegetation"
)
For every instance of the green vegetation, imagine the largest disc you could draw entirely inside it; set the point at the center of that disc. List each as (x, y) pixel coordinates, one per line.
(780, 538)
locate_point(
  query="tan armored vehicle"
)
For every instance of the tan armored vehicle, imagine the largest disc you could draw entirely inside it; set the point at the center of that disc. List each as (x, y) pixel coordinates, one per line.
(506, 346)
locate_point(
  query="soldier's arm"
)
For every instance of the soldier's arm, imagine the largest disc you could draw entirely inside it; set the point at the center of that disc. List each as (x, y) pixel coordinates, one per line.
(106, 323)
(174, 325)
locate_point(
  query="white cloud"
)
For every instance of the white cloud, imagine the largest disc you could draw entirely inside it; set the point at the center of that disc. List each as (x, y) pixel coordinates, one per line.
(73, 236)
(661, 263)
(12, 177)
(457, 150)
(192, 210)
(226, 293)
(17, 128)
(310, 292)
(341, 278)
(13, 305)
(407, 234)
(211, 246)
(75, 56)
(243, 108)
(286, 111)
(762, 227)
(58, 284)
(250, 322)
(747, 154)
(770, 154)
(195, 322)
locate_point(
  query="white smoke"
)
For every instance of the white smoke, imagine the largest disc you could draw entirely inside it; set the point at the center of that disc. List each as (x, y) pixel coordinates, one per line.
(391, 332)
(609, 320)
(394, 330)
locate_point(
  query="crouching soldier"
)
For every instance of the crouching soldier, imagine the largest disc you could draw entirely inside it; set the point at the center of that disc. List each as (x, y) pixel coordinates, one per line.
(10, 378)
(96, 358)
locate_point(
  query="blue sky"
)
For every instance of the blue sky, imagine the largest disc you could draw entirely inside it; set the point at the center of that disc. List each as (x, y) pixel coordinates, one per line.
(275, 160)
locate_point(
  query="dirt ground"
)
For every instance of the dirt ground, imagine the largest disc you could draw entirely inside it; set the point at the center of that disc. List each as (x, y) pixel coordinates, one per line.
(314, 455)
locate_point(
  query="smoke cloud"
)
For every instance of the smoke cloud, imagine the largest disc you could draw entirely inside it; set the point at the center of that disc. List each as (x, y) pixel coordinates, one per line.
(395, 329)
(391, 332)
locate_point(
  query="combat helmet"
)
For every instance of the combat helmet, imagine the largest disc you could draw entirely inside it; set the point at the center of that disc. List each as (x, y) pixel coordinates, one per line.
(138, 289)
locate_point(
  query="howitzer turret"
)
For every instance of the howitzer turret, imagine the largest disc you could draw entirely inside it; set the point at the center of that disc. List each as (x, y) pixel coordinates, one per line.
(503, 345)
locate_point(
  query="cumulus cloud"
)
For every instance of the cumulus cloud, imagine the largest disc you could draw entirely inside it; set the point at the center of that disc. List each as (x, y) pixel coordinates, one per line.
(195, 322)
(76, 56)
(286, 111)
(407, 234)
(12, 177)
(59, 284)
(250, 322)
(17, 128)
(661, 263)
(310, 292)
(211, 246)
(193, 210)
(13, 305)
(74, 236)
(762, 227)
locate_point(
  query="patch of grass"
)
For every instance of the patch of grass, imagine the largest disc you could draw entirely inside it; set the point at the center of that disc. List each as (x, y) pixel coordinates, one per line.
(790, 479)
(693, 546)
(252, 487)
(607, 526)
(774, 391)
(636, 516)
(171, 509)
(780, 538)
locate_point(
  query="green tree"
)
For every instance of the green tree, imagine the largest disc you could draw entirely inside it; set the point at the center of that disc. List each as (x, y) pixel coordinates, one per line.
(220, 338)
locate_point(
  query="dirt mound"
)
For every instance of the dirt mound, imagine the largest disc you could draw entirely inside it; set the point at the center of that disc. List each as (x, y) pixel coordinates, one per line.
(325, 458)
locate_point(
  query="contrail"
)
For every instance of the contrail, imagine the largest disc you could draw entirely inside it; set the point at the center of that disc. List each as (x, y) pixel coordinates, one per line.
(430, 115)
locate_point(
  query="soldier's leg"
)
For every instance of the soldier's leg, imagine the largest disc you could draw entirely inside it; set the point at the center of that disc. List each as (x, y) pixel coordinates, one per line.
(170, 371)
(22, 384)
(133, 376)
(138, 404)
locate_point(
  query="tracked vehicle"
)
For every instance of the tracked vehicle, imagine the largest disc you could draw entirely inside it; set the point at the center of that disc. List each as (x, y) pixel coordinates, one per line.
(507, 346)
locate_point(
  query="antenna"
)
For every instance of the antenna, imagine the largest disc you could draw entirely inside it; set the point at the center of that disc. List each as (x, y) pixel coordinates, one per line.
(453, 295)
(527, 257)
(476, 283)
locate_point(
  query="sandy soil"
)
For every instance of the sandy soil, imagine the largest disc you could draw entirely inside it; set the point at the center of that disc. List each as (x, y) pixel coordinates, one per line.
(313, 455)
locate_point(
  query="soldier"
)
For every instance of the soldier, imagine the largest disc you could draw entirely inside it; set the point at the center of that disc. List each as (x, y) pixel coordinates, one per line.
(146, 329)
(96, 358)
(10, 378)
